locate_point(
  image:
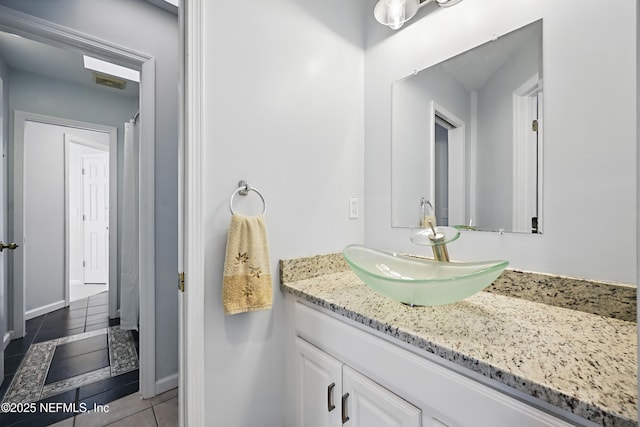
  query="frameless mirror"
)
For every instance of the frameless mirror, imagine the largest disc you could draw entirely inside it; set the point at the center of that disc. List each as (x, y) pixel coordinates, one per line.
(467, 138)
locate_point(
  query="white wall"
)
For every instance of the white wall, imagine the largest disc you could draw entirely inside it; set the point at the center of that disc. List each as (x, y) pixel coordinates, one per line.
(283, 109)
(590, 132)
(142, 27)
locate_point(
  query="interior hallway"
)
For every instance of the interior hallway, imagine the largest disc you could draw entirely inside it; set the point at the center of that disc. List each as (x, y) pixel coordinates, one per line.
(74, 355)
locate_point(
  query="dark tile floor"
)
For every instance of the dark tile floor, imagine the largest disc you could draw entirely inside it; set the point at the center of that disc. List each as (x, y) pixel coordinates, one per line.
(70, 359)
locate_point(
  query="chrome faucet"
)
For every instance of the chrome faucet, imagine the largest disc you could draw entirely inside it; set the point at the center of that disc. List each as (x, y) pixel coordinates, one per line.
(439, 247)
(436, 237)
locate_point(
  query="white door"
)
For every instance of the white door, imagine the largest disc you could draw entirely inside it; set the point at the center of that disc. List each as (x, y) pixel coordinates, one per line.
(368, 404)
(95, 203)
(4, 316)
(319, 387)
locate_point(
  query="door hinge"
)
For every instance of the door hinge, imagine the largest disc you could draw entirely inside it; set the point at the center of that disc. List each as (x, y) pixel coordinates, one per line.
(534, 125)
(181, 281)
(84, 263)
(82, 171)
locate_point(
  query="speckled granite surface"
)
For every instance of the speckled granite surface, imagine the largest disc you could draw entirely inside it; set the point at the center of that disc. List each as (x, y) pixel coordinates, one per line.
(313, 266)
(617, 301)
(580, 362)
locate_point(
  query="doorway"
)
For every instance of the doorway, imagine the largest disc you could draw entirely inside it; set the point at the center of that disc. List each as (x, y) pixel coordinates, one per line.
(55, 234)
(87, 216)
(44, 31)
(442, 171)
(448, 166)
(527, 156)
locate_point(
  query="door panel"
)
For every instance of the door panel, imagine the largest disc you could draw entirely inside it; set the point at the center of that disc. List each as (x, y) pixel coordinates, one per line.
(319, 386)
(4, 312)
(95, 189)
(371, 405)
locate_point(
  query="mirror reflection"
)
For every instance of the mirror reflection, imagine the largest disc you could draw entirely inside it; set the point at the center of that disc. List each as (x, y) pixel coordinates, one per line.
(467, 138)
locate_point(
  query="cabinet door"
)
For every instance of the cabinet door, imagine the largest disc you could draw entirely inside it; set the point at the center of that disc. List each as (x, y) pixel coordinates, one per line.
(368, 404)
(319, 387)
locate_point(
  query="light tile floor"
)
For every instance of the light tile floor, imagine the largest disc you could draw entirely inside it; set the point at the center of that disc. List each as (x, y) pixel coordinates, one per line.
(131, 411)
(77, 292)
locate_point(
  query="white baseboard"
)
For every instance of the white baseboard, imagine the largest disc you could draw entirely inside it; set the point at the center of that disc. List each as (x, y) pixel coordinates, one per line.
(166, 383)
(6, 339)
(43, 310)
(76, 282)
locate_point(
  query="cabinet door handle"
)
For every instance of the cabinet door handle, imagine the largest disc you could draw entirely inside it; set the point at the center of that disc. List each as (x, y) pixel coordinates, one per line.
(330, 405)
(345, 417)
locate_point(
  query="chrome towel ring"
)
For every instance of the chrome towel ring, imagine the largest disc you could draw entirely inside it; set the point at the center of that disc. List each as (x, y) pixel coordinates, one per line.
(243, 190)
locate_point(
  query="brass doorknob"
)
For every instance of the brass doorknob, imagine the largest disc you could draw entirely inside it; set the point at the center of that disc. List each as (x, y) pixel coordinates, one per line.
(4, 246)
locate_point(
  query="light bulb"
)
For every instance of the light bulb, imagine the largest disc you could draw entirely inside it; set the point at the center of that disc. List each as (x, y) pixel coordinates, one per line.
(395, 13)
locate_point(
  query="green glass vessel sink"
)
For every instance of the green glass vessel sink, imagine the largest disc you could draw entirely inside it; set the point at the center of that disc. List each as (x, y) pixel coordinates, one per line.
(417, 281)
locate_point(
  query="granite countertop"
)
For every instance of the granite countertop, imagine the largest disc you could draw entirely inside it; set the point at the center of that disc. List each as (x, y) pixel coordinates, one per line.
(581, 362)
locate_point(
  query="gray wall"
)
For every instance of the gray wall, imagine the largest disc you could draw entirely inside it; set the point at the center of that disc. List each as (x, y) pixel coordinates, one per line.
(494, 161)
(411, 136)
(43, 95)
(44, 217)
(142, 27)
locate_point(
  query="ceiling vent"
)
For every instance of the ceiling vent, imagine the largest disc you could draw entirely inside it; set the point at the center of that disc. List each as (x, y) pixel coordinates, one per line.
(109, 81)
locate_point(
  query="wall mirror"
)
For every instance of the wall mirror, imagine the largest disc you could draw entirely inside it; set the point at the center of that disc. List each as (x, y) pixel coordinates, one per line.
(467, 138)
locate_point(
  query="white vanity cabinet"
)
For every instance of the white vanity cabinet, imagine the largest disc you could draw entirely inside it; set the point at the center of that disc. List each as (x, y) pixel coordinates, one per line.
(318, 386)
(389, 382)
(330, 393)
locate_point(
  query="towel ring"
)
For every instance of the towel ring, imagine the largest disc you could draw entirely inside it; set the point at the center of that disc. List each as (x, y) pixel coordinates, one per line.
(243, 190)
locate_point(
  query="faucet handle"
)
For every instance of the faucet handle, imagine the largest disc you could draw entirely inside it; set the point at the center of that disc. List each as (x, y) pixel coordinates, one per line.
(434, 235)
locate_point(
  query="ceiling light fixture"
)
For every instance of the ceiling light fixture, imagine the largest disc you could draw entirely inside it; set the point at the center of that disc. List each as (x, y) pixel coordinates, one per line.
(394, 13)
(447, 3)
(110, 69)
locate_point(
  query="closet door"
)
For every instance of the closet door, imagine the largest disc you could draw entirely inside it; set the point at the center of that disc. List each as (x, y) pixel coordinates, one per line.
(368, 404)
(319, 387)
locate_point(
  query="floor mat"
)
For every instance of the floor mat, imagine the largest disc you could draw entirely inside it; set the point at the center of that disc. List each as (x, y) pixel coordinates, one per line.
(28, 384)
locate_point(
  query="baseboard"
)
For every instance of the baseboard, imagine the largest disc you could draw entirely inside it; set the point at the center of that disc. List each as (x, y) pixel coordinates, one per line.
(43, 310)
(75, 282)
(6, 339)
(166, 383)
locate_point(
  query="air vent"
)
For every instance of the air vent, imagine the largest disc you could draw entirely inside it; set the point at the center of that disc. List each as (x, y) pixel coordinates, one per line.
(109, 81)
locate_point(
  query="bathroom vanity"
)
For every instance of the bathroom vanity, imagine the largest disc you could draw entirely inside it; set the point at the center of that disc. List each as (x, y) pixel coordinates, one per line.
(358, 358)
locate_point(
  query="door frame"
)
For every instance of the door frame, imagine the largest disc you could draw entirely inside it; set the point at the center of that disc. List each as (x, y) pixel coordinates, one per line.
(113, 219)
(456, 155)
(525, 106)
(50, 33)
(191, 392)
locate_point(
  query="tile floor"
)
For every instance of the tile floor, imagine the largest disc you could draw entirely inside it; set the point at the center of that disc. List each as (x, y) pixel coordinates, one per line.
(131, 411)
(85, 315)
(85, 290)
